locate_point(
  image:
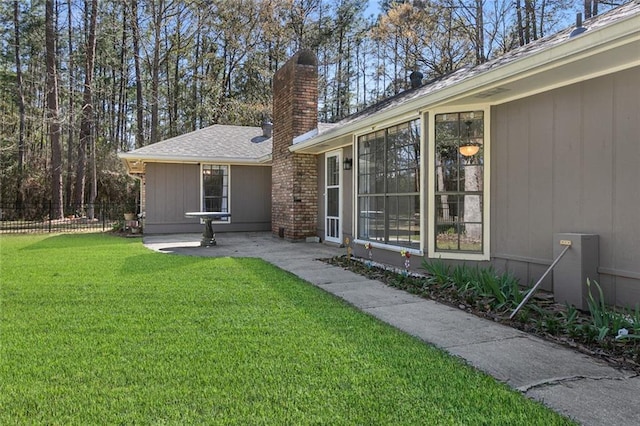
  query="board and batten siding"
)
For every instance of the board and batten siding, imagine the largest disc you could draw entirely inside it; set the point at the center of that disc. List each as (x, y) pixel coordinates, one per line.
(173, 189)
(568, 160)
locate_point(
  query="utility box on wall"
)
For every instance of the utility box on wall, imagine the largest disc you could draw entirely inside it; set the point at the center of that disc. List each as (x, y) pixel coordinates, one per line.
(578, 264)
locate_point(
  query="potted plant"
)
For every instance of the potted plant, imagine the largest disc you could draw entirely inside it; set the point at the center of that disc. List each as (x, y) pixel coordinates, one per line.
(130, 211)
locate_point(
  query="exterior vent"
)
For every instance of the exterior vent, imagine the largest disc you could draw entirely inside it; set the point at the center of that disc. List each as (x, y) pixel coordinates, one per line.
(579, 28)
(416, 79)
(267, 129)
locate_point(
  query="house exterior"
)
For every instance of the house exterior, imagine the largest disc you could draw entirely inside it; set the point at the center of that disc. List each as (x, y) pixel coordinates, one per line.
(218, 168)
(490, 165)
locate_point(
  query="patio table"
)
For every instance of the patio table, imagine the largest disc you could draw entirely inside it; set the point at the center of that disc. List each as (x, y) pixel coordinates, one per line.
(208, 236)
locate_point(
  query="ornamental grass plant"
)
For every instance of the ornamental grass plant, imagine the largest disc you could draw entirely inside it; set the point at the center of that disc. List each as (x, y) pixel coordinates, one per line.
(96, 329)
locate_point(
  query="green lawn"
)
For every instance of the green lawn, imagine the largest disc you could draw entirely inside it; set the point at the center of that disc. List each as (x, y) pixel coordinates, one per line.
(95, 329)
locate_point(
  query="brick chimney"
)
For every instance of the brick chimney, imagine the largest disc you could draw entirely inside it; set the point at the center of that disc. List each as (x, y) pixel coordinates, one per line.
(294, 176)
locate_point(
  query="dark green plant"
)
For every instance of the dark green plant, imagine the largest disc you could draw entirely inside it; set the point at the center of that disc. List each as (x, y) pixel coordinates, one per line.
(599, 313)
(524, 315)
(601, 317)
(460, 278)
(438, 271)
(511, 286)
(483, 287)
(552, 324)
(605, 320)
(118, 225)
(633, 318)
(547, 321)
(602, 333)
(588, 332)
(490, 287)
(570, 319)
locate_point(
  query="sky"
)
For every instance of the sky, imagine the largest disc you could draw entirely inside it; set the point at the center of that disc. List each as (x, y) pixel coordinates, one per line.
(373, 8)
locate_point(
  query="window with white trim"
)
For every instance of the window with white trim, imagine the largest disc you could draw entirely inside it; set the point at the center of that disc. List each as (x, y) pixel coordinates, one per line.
(388, 188)
(215, 189)
(459, 174)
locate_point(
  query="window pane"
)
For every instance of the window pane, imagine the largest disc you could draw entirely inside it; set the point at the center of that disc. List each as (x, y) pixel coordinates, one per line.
(215, 188)
(407, 181)
(213, 204)
(332, 201)
(389, 163)
(404, 221)
(333, 171)
(459, 181)
(371, 218)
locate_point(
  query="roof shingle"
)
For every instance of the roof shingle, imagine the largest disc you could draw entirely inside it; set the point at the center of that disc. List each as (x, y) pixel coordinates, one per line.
(217, 141)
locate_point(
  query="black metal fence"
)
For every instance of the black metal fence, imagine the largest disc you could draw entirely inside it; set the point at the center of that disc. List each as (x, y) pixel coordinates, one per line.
(37, 217)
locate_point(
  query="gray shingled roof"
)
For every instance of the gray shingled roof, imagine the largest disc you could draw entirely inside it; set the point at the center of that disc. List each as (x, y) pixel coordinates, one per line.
(217, 142)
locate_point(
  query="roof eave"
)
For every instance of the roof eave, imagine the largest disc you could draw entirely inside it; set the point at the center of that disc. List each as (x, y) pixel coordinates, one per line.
(130, 158)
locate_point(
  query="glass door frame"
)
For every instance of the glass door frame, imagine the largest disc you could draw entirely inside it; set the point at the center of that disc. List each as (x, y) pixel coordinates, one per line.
(333, 224)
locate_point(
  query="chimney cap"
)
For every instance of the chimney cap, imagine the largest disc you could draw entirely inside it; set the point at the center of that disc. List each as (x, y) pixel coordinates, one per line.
(307, 57)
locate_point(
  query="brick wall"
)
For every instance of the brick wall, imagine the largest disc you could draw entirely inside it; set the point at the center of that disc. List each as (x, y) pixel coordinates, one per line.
(294, 176)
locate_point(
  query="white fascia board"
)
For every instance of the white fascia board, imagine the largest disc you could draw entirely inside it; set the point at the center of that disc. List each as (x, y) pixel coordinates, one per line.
(305, 136)
(265, 159)
(190, 159)
(589, 43)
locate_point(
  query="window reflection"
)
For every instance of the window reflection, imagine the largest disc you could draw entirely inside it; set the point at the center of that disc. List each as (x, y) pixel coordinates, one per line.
(389, 185)
(459, 181)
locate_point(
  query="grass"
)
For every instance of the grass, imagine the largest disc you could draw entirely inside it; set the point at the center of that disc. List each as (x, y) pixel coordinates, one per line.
(97, 329)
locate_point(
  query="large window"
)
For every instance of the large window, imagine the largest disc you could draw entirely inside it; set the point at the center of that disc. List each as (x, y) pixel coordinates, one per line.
(389, 185)
(215, 189)
(459, 182)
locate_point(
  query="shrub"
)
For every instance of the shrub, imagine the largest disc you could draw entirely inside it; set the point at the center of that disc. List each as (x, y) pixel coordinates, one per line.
(483, 286)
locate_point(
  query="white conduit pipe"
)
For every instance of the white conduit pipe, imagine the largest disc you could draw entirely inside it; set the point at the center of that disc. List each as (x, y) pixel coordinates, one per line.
(567, 245)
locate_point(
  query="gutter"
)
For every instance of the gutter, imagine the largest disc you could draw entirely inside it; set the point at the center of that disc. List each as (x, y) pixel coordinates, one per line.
(193, 160)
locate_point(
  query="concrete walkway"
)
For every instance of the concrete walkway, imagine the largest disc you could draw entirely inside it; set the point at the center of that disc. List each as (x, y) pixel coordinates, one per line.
(580, 387)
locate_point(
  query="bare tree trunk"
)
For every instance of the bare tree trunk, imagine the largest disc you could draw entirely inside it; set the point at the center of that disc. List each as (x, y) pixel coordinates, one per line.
(120, 122)
(87, 108)
(78, 197)
(520, 22)
(196, 77)
(472, 203)
(176, 82)
(590, 8)
(68, 188)
(480, 56)
(135, 32)
(543, 15)
(21, 109)
(157, 15)
(339, 77)
(52, 114)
